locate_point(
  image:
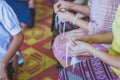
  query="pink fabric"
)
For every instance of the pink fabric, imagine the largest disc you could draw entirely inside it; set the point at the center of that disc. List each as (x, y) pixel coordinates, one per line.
(101, 17)
(59, 45)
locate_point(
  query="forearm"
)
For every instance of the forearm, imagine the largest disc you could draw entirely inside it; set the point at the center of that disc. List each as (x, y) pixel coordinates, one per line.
(14, 46)
(82, 23)
(112, 60)
(83, 9)
(105, 38)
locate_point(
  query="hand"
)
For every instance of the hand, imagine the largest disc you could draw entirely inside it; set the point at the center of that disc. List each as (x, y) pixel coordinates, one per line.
(79, 48)
(65, 16)
(3, 71)
(31, 4)
(62, 5)
(76, 34)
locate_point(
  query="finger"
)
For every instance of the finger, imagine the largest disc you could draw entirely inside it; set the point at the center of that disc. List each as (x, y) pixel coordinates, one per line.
(57, 6)
(72, 42)
(71, 48)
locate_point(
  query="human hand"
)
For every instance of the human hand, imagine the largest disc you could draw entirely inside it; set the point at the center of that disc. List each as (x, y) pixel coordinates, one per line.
(31, 4)
(62, 5)
(80, 48)
(65, 16)
(76, 34)
(3, 71)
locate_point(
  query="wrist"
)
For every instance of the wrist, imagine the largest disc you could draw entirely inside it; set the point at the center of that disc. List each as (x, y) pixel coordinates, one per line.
(94, 51)
(74, 20)
(91, 49)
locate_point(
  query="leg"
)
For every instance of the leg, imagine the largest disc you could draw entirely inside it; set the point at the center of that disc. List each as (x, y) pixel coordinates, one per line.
(59, 45)
(15, 66)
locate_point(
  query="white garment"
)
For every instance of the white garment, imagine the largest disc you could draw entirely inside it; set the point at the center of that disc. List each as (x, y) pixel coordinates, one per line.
(9, 25)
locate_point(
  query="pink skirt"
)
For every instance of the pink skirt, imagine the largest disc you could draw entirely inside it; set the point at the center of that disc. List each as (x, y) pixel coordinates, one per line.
(59, 45)
(91, 69)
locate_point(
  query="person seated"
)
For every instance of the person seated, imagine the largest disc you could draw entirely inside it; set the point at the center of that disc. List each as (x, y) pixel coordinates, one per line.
(9, 26)
(112, 57)
(101, 13)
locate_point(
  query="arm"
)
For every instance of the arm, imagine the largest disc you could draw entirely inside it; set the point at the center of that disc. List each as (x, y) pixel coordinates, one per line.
(82, 48)
(14, 46)
(69, 17)
(11, 25)
(81, 23)
(104, 38)
(16, 42)
(84, 9)
(112, 60)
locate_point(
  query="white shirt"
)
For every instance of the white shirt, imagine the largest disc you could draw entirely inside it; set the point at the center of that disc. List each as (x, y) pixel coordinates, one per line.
(9, 25)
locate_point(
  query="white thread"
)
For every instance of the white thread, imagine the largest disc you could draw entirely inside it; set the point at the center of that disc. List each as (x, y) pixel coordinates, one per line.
(60, 28)
(74, 20)
(74, 60)
(58, 25)
(95, 52)
(63, 30)
(67, 54)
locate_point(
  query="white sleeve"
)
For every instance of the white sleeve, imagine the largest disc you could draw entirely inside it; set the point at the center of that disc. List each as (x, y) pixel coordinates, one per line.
(9, 19)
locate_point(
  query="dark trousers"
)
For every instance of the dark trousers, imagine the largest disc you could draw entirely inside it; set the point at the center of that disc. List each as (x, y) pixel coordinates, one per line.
(10, 71)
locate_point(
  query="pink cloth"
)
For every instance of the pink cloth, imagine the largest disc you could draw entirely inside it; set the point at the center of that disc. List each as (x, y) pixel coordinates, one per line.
(102, 15)
(60, 43)
(101, 18)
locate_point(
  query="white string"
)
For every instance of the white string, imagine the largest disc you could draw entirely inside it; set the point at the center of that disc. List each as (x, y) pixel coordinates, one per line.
(74, 60)
(74, 20)
(63, 30)
(67, 54)
(58, 25)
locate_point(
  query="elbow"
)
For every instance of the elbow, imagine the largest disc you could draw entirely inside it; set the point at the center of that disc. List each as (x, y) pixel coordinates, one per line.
(19, 38)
